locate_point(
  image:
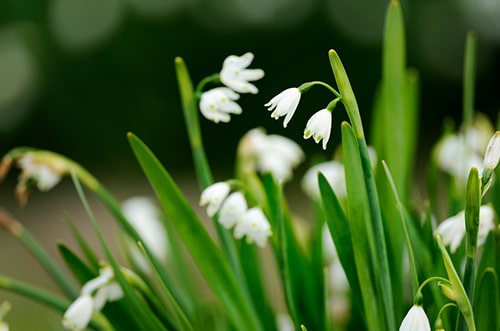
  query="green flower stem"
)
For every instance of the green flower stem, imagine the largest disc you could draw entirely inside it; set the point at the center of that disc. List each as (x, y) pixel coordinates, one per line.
(33, 246)
(190, 110)
(382, 269)
(48, 299)
(306, 86)
(215, 78)
(469, 78)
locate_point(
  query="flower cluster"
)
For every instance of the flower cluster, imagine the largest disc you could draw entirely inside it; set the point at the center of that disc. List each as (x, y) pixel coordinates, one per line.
(319, 124)
(234, 212)
(272, 154)
(93, 296)
(218, 103)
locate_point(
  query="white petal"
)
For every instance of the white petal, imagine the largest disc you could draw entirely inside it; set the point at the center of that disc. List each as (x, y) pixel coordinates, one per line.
(415, 320)
(214, 195)
(334, 174)
(232, 210)
(105, 275)
(319, 127)
(78, 314)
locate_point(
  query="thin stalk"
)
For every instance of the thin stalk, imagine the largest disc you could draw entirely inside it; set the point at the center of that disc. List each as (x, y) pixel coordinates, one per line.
(469, 78)
(36, 250)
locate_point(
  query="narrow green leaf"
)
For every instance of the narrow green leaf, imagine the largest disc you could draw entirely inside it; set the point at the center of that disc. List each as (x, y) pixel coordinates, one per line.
(462, 300)
(206, 254)
(363, 242)
(84, 246)
(80, 270)
(341, 234)
(469, 78)
(486, 301)
(143, 317)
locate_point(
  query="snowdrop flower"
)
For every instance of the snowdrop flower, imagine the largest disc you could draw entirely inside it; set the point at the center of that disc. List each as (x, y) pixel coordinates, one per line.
(334, 174)
(284, 104)
(319, 126)
(77, 316)
(235, 75)
(456, 158)
(103, 287)
(214, 195)
(273, 154)
(144, 217)
(232, 210)
(44, 177)
(415, 320)
(492, 154)
(452, 230)
(216, 104)
(255, 226)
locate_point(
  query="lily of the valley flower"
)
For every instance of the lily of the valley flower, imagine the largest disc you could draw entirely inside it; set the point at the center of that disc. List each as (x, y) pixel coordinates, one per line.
(77, 316)
(93, 296)
(319, 126)
(235, 75)
(216, 104)
(232, 210)
(452, 230)
(334, 174)
(415, 320)
(284, 104)
(44, 177)
(273, 154)
(255, 226)
(492, 154)
(213, 196)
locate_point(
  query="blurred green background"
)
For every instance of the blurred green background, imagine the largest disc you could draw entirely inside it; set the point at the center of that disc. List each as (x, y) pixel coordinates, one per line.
(76, 75)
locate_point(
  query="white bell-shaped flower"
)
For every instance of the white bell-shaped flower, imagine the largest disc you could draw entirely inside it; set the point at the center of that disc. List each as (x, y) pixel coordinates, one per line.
(254, 226)
(213, 196)
(284, 104)
(217, 104)
(235, 75)
(415, 320)
(45, 178)
(77, 316)
(319, 126)
(232, 210)
(334, 174)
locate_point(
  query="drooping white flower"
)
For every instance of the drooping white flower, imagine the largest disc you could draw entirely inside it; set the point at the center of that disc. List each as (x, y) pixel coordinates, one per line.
(255, 226)
(214, 195)
(102, 288)
(216, 104)
(144, 217)
(235, 75)
(44, 177)
(273, 154)
(492, 154)
(77, 316)
(334, 174)
(319, 126)
(232, 210)
(284, 104)
(452, 230)
(415, 320)
(456, 157)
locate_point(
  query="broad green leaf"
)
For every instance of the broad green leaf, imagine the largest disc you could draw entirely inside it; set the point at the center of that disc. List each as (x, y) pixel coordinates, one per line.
(206, 254)
(486, 301)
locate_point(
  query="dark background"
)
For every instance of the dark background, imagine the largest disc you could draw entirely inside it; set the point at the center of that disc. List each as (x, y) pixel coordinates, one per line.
(78, 74)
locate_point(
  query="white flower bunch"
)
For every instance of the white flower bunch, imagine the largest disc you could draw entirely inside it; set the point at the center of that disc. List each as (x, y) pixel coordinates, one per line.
(233, 212)
(218, 103)
(272, 154)
(93, 296)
